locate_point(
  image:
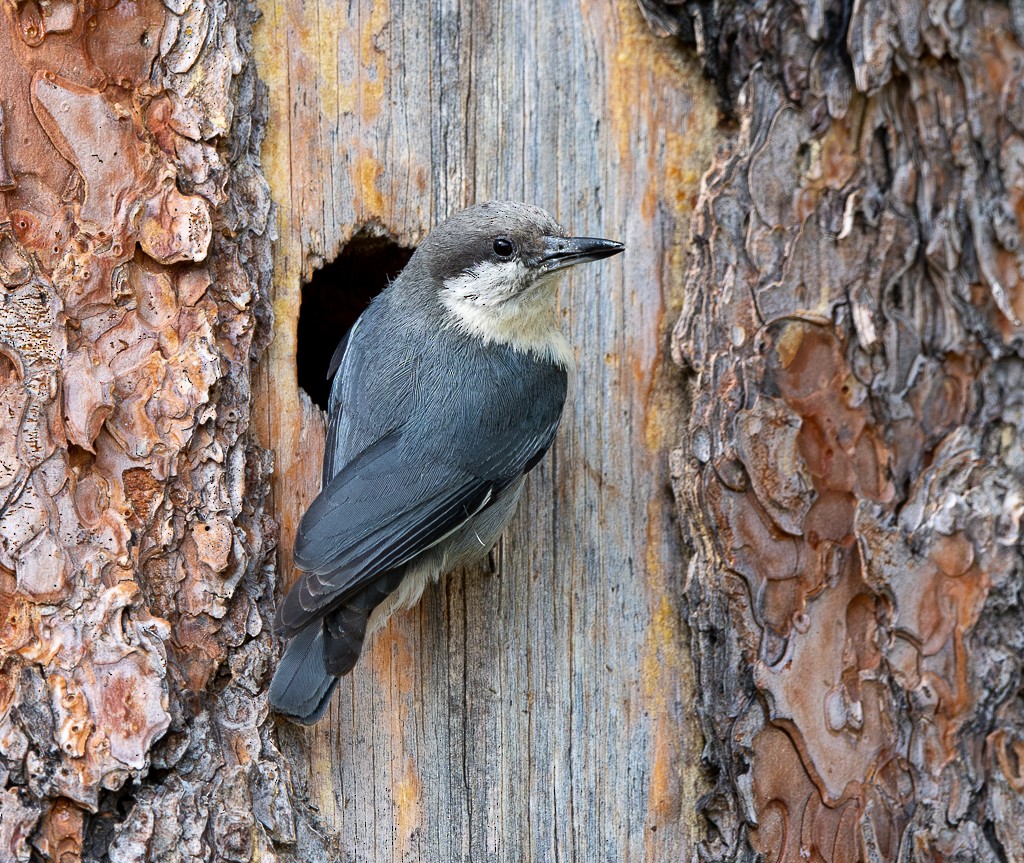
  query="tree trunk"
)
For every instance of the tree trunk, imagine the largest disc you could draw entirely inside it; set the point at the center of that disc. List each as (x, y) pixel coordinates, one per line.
(135, 542)
(540, 713)
(852, 469)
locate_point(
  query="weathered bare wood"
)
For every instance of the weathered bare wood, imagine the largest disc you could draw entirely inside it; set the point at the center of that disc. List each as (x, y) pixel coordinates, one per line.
(853, 464)
(134, 264)
(539, 714)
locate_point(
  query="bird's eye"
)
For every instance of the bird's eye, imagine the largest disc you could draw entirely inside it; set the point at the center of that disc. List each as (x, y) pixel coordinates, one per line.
(504, 247)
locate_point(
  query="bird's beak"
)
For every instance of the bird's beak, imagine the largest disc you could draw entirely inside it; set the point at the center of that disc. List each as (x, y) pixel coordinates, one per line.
(560, 252)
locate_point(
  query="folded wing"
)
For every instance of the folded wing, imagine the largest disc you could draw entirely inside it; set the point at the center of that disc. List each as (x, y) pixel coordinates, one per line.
(413, 452)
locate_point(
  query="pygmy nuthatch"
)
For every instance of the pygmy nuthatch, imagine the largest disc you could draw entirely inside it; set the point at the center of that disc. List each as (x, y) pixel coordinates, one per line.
(448, 390)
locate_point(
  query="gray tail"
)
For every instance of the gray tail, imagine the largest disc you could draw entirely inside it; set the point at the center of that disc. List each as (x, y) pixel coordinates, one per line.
(302, 686)
(344, 631)
(324, 651)
(345, 626)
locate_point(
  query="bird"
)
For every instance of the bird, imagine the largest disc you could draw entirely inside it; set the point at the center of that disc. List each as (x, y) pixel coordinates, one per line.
(446, 393)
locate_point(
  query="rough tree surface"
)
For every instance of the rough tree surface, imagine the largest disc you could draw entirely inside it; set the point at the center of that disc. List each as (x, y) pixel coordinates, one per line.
(540, 713)
(851, 475)
(853, 467)
(134, 590)
(536, 714)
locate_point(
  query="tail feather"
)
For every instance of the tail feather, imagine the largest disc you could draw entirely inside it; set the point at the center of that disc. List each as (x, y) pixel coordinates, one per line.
(323, 651)
(302, 687)
(344, 631)
(345, 627)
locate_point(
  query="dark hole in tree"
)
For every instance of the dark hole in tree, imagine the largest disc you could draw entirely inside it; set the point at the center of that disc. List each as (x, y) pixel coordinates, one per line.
(333, 300)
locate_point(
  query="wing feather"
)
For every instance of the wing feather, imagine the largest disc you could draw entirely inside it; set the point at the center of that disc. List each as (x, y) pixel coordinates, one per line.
(357, 535)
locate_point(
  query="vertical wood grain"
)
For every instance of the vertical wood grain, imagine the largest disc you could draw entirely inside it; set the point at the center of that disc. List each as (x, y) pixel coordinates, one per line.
(540, 713)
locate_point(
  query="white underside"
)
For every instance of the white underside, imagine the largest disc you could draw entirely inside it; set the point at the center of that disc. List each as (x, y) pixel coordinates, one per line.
(464, 546)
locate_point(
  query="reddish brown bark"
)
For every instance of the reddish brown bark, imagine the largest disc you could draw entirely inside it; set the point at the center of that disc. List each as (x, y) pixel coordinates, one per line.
(851, 472)
(134, 264)
(853, 466)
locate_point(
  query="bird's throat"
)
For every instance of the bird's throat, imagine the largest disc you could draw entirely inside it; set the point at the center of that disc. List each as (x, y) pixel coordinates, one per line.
(525, 322)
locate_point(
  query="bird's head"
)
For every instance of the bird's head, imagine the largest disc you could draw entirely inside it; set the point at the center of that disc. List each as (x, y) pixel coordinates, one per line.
(494, 268)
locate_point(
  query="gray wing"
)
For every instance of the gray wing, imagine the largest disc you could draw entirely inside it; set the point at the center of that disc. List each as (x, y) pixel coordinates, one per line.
(379, 512)
(418, 482)
(334, 411)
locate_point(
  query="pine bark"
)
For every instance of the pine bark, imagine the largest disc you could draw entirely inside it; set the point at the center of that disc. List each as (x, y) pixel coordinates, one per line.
(136, 569)
(852, 471)
(844, 444)
(538, 713)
